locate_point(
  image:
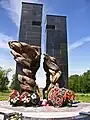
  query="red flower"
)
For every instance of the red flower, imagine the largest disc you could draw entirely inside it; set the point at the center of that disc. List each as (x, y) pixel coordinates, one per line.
(24, 96)
(58, 96)
(14, 94)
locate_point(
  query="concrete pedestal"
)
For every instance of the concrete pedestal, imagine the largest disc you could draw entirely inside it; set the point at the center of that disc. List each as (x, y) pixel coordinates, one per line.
(48, 112)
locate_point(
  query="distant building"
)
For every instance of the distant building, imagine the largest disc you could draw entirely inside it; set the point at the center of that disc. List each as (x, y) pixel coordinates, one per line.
(31, 23)
(56, 43)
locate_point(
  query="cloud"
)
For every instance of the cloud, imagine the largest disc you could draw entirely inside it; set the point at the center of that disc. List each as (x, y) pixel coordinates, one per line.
(78, 71)
(79, 43)
(14, 9)
(4, 40)
(12, 6)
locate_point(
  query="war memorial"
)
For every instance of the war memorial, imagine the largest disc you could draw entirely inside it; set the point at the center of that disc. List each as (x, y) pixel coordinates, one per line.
(57, 101)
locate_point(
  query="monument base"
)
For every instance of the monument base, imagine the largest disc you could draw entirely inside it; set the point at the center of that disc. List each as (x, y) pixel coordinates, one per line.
(47, 112)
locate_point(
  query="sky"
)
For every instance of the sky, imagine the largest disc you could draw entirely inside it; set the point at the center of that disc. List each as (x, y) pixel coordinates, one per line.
(78, 32)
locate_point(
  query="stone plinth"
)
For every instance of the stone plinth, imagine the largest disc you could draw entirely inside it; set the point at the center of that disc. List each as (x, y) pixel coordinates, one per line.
(48, 112)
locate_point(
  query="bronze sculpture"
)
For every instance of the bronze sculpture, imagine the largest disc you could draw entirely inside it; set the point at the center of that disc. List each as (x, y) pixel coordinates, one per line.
(52, 70)
(27, 58)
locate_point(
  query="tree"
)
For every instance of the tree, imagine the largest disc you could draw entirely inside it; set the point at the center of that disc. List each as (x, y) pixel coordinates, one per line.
(74, 83)
(15, 83)
(80, 83)
(86, 77)
(4, 79)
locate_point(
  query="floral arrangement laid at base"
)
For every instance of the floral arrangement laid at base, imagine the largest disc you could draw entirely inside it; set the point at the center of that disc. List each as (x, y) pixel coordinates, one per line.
(25, 99)
(56, 97)
(14, 98)
(60, 96)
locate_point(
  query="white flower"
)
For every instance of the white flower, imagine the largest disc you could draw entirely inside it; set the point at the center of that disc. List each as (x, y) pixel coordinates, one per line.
(23, 98)
(28, 95)
(27, 100)
(17, 98)
(24, 101)
(14, 101)
(11, 100)
(33, 96)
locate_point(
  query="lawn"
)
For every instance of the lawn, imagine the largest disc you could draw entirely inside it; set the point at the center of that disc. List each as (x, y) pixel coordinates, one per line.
(4, 96)
(79, 97)
(83, 97)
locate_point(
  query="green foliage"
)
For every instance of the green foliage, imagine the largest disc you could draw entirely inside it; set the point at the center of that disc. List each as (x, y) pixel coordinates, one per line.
(15, 83)
(4, 79)
(80, 83)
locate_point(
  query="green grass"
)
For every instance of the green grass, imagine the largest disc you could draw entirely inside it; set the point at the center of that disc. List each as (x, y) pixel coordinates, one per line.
(83, 97)
(4, 95)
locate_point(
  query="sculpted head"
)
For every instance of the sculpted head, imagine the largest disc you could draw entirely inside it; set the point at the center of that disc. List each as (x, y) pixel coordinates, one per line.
(47, 57)
(16, 46)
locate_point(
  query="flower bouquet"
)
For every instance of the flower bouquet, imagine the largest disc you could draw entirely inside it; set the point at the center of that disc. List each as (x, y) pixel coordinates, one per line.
(60, 96)
(14, 98)
(55, 97)
(25, 99)
(69, 96)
